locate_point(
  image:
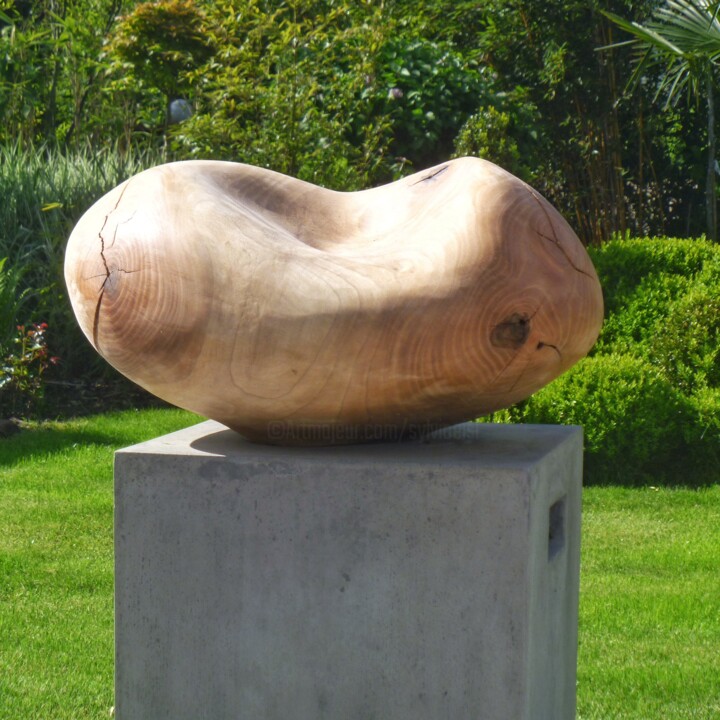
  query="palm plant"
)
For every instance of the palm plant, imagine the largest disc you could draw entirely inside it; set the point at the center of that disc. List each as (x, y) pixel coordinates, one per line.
(682, 38)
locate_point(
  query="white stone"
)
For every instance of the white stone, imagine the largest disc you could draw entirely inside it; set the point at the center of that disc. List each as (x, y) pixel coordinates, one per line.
(427, 580)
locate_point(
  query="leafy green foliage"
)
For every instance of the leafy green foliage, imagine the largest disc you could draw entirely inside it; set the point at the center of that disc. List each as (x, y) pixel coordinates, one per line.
(342, 96)
(643, 281)
(687, 345)
(355, 94)
(282, 90)
(683, 37)
(52, 72)
(348, 95)
(485, 134)
(159, 41)
(23, 351)
(428, 89)
(625, 263)
(630, 326)
(606, 160)
(148, 55)
(23, 49)
(636, 422)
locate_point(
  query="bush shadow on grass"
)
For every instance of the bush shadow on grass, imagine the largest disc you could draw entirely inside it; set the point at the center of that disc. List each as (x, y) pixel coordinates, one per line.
(53, 439)
(109, 431)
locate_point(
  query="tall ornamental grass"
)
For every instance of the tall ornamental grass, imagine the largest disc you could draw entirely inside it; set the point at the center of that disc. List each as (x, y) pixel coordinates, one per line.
(44, 192)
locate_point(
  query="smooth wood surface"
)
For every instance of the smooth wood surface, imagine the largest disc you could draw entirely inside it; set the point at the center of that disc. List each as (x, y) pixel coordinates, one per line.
(299, 315)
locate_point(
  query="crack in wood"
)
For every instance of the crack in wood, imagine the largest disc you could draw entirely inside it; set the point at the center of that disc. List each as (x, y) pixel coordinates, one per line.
(432, 175)
(541, 345)
(108, 272)
(554, 240)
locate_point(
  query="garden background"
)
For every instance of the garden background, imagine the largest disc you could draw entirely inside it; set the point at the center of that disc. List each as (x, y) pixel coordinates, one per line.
(619, 135)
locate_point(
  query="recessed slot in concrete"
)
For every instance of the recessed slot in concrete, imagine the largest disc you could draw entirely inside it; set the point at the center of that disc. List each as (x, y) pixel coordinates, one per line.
(556, 532)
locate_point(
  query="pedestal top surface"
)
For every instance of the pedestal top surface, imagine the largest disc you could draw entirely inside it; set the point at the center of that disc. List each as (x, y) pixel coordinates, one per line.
(491, 444)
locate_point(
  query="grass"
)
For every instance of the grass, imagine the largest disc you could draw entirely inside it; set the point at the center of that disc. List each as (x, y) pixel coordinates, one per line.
(650, 604)
(650, 587)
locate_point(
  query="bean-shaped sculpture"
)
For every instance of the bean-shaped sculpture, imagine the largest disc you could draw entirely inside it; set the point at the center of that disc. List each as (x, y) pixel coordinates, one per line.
(300, 315)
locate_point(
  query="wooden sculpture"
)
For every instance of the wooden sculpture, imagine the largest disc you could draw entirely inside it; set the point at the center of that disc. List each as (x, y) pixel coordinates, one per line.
(300, 315)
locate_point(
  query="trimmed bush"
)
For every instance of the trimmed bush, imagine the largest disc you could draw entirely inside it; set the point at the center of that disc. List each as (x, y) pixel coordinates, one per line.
(639, 428)
(686, 346)
(626, 264)
(634, 322)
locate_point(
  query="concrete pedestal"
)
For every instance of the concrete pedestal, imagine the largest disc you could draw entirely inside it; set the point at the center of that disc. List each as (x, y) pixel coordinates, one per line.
(431, 580)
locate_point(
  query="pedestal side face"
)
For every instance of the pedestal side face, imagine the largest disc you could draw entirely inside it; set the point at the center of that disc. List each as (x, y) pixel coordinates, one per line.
(554, 572)
(274, 583)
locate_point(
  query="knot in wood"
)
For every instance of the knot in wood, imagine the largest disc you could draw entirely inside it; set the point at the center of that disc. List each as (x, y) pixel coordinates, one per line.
(511, 332)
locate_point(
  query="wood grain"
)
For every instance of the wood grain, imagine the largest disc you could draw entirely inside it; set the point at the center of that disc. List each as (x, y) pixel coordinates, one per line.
(300, 315)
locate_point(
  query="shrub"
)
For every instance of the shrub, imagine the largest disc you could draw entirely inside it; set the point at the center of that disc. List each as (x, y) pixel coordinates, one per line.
(433, 90)
(287, 91)
(158, 41)
(633, 322)
(486, 134)
(22, 369)
(503, 130)
(625, 264)
(342, 95)
(700, 462)
(633, 418)
(687, 345)
(662, 303)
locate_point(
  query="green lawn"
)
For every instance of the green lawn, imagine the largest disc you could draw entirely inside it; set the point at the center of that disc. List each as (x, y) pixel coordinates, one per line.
(650, 587)
(650, 605)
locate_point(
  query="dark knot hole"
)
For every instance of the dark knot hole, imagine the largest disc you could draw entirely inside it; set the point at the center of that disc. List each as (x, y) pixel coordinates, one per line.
(511, 332)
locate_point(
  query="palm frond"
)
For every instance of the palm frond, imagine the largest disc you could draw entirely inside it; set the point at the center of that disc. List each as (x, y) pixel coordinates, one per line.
(692, 27)
(643, 34)
(682, 37)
